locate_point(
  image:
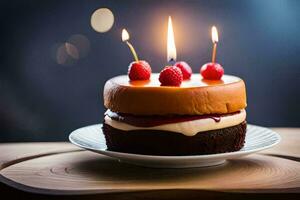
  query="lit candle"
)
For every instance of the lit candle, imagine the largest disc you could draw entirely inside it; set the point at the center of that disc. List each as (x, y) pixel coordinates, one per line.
(215, 40)
(125, 38)
(138, 69)
(186, 70)
(171, 48)
(213, 70)
(171, 75)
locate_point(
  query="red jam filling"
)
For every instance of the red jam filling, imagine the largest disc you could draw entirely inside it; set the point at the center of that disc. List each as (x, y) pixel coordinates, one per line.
(156, 120)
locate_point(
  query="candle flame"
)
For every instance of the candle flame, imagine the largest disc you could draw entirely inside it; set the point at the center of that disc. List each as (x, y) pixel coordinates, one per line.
(125, 35)
(214, 35)
(171, 48)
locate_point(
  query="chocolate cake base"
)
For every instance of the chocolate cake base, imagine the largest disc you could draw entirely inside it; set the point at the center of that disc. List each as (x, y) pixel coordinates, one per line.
(153, 142)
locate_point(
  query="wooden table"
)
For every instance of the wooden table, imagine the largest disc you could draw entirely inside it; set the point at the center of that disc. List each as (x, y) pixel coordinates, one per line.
(42, 170)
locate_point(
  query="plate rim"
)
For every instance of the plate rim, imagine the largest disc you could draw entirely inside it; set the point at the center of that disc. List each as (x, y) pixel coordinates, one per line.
(188, 157)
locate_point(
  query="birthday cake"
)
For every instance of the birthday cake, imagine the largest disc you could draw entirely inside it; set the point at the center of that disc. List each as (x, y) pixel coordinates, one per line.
(199, 116)
(174, 112)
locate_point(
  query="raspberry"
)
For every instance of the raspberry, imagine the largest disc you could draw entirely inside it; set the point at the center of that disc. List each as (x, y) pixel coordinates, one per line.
(185, 69)
(170, 76)
(212, 71)
(139, 70)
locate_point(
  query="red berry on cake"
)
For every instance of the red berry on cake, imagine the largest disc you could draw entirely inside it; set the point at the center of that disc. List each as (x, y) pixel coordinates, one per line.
(139, 70)
(212, 71)
(171, 76)
(185, 69)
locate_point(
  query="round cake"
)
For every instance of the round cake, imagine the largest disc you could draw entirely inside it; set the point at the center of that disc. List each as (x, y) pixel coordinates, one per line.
(199, 117)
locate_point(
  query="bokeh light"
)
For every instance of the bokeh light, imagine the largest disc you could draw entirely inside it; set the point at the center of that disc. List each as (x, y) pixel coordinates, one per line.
(72, 50)
(102, 20)
(81, 43)
(66, 54)
(69, 52)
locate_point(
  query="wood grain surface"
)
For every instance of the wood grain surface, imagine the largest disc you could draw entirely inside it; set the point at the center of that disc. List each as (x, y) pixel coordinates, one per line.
(63, 169)
(17, 152)
(289, 146)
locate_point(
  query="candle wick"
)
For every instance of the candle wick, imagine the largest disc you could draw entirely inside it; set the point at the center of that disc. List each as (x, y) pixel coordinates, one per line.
(172, 61)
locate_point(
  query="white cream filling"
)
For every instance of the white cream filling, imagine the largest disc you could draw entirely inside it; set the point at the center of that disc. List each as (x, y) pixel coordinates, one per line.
(188, 128)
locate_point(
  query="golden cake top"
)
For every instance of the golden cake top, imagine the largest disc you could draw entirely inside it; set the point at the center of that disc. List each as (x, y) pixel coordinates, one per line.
(196, 96)
(196, 80)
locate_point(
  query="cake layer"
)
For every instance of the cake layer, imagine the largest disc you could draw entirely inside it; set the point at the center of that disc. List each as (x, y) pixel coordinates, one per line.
(194, 97)
(188, 126)
(153, 142)
(156, 120)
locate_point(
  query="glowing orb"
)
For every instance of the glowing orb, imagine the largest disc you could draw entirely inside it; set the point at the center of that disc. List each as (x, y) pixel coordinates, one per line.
(102, 20)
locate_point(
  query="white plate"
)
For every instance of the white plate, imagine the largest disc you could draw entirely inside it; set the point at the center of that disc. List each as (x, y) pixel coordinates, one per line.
(92, 138)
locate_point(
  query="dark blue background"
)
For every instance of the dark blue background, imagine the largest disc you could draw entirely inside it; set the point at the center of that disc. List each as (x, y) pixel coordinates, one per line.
(42, 100)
